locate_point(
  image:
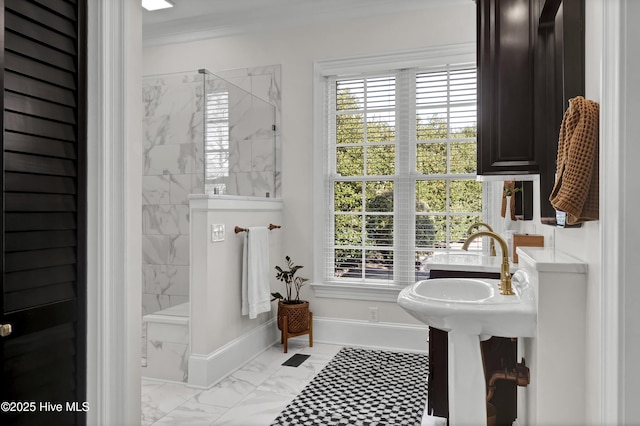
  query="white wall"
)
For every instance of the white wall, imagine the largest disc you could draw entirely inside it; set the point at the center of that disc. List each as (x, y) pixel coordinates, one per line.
(216, 269)
(629, 205)
(295, 50)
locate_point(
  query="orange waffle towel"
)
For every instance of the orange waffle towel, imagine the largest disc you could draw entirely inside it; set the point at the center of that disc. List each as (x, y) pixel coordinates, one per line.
(576, 188)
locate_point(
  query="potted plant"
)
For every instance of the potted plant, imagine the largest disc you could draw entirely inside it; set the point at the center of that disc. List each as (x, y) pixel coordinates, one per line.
(509, 191)
(290, 305)
(508, 203)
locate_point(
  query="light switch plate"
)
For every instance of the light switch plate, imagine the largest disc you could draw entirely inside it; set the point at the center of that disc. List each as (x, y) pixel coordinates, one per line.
(217, 233)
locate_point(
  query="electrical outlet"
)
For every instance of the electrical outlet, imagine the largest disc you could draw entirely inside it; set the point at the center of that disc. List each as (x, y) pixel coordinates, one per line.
(374, 314)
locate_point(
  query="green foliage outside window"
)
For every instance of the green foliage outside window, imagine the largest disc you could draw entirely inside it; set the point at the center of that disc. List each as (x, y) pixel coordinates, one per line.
(364, 209)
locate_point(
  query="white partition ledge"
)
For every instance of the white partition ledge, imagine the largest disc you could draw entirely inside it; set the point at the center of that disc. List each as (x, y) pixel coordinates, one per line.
(556, 356)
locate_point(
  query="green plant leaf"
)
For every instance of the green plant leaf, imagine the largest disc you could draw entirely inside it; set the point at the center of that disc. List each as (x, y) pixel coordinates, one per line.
(287, 276)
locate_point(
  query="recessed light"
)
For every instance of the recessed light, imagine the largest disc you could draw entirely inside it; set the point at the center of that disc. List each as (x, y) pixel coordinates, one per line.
(156, 4)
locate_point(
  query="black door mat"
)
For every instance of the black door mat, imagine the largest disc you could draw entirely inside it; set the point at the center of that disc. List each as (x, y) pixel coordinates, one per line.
(295, 360)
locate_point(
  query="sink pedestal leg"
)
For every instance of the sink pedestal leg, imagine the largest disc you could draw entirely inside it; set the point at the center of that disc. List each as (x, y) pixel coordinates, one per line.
(467, 386)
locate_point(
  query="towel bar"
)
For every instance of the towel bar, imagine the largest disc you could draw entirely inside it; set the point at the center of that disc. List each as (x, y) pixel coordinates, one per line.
(271, 227)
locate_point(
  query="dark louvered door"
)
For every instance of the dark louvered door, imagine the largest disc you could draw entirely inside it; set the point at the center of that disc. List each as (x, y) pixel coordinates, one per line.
(44, 204)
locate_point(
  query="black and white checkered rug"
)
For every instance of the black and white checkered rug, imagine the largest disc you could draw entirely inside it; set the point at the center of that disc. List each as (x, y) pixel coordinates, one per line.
(362, 387)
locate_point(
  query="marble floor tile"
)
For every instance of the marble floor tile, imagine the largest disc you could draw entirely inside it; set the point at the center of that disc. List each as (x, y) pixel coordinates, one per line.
(289, 380)
(227, 393)
(268, 362)
(192, 413)
(253, 395)
(158, 401)
(149, 385)
(320, 348)
(259, 408)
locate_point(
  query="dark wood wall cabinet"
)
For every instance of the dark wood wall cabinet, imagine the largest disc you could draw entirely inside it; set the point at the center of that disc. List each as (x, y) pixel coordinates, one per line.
(530, 63)
(505, 87)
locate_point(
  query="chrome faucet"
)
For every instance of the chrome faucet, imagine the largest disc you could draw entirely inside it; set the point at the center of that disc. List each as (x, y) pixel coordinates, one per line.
(505, 275)
(492, 246)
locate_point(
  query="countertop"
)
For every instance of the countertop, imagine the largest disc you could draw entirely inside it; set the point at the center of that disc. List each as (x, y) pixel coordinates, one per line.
(548, 259)
(470, 262)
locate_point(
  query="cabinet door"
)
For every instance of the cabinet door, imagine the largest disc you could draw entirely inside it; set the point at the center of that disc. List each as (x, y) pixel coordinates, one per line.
(506, 131)
(43, 203)
(559, 76)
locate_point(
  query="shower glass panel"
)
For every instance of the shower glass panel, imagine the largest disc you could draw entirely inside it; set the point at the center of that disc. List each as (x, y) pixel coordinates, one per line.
(202, 135)
(239, 140)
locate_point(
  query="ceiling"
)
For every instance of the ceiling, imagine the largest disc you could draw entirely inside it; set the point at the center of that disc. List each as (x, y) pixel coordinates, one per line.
(198, 19)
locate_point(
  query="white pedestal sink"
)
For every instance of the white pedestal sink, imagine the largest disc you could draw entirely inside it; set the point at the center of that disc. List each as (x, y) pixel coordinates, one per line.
(471, 310)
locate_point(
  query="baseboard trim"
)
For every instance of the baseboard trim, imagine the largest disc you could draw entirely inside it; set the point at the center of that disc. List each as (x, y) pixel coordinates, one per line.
(379, 335)
(207, 370)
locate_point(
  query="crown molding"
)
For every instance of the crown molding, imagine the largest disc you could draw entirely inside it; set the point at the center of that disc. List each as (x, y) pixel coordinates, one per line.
(208, 23)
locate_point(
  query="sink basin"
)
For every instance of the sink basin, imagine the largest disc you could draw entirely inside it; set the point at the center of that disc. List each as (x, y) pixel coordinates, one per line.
(473, 306)
(459, 290)
(471, 310)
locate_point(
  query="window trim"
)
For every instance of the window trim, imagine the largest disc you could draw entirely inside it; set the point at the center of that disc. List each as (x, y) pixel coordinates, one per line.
(432, 56)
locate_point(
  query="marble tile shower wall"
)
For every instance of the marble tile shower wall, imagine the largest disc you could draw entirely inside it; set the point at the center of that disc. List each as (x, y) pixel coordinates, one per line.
(173, 156)
(173, 168)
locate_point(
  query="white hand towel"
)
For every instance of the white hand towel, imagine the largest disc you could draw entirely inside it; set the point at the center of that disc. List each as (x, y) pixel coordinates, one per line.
(256, 294)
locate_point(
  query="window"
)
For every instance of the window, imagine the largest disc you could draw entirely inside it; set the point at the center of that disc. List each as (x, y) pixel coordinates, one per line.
(216, 141)
(399, 177)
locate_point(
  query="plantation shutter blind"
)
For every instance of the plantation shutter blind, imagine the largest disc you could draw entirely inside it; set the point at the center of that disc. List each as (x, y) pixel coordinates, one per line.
(364, 170)
(216, 141)
(397, 143)
(44, 205)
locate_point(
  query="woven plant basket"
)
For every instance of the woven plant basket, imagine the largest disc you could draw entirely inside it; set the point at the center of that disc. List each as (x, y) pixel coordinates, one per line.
(297, 316)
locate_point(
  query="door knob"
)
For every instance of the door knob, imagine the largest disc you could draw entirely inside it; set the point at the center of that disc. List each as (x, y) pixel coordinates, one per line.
(5, 330)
